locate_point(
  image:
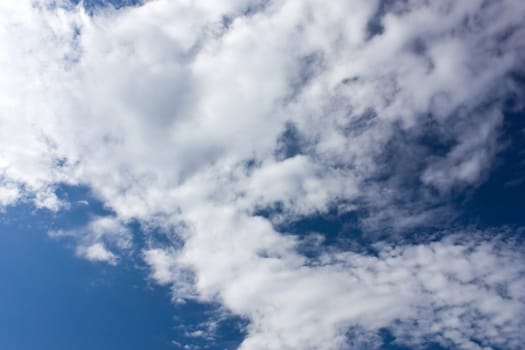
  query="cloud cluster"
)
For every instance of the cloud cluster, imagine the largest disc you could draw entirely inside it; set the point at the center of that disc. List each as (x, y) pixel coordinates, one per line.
(465, 290)
(198, 117)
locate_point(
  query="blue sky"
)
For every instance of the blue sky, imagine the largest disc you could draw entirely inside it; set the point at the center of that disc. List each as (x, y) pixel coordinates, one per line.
(262, 175)
(56, 301)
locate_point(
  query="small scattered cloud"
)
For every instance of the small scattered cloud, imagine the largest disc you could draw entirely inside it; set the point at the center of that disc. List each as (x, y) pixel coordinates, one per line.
(97, 252)
(93, 240)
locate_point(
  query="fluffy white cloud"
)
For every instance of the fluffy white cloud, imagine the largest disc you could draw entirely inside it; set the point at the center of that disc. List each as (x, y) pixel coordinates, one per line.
(197, 116)
(93, 239)
(97, 252)
(465, 291)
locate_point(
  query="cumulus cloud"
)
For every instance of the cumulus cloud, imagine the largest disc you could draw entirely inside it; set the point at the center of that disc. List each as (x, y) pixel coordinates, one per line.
(200, 117)
(92, 240)
(97, 252)
(464, 291)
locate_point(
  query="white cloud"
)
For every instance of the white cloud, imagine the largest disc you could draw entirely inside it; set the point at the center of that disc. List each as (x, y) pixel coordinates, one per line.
(94, 238)
(173, 113)
(97, 252)
(458, 290)
(9, 193)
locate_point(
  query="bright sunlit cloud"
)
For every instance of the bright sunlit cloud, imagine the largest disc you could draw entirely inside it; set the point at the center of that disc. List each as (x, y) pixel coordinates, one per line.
(221, 124)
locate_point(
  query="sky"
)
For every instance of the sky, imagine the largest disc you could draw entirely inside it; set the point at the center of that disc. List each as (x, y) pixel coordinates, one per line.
(262, 174)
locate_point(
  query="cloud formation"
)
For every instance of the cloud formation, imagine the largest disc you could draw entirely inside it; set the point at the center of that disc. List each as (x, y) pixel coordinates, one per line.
(200, 117)
(92, 240)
